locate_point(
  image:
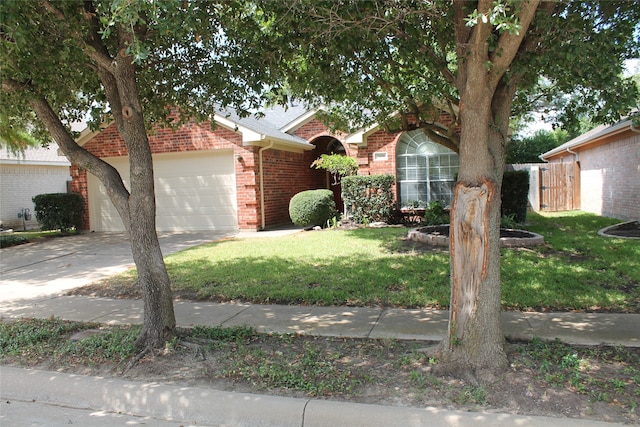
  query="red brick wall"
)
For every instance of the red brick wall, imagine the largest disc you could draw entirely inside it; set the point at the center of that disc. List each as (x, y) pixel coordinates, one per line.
(315, 129)
(379, 141)
(610, 177)
(286, 173)
(190, 137)
(79, 185)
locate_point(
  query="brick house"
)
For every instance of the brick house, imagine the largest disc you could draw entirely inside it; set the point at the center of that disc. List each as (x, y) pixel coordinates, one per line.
(608, 161)
(243, 174)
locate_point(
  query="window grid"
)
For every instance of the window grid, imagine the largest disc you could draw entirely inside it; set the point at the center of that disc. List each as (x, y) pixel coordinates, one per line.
(426, 171)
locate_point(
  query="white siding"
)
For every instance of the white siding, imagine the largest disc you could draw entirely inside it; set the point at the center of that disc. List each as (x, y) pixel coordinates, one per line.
(18, 185)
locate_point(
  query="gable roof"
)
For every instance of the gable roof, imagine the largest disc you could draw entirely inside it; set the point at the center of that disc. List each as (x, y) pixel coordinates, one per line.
(47, 156)
(591, 137)
(255, 129)
(282, 116)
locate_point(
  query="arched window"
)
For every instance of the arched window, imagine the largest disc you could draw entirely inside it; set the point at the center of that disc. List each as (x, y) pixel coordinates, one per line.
(425, 170)
(335, 147)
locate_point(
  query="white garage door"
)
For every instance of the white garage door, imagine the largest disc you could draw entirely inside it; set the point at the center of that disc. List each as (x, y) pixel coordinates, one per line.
(194, 191)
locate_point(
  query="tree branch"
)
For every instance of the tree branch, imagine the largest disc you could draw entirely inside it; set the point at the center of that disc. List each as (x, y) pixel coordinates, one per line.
(53, 10)
(434, 132)
(509, 44)
(93, 47)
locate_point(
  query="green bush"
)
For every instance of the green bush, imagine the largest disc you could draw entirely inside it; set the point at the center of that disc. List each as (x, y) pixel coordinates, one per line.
(368, 197)
(61, 211)
(515, 195)
(7, 240)
(312, 207)
(436, 214)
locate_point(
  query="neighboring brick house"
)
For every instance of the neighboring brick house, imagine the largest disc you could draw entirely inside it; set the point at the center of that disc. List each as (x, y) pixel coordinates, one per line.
(243, 174)
(24, 175)
(608, 158)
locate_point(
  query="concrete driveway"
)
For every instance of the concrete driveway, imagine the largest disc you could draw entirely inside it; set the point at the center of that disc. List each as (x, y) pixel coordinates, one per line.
(53, 266)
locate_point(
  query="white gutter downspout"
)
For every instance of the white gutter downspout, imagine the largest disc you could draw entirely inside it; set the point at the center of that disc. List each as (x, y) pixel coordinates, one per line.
(576, 156)
(262, 210)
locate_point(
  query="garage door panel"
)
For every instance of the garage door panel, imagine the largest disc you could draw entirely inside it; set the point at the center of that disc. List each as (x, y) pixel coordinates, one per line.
(224, 186)
(193, 192)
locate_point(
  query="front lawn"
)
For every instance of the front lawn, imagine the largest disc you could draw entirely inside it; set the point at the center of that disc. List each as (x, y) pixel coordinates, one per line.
(575, 270)
(16, 238)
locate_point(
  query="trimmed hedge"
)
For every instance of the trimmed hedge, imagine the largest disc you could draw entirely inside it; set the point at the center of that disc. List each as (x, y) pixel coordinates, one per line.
(312, 207)
(368, 197)
(59, 211)
(12, 240)
(515, 195)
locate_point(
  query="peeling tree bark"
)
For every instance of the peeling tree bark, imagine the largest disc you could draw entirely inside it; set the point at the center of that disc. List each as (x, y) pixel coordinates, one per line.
(469, 248)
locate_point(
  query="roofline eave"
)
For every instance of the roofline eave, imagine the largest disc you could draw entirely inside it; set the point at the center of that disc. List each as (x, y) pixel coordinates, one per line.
(605, 133)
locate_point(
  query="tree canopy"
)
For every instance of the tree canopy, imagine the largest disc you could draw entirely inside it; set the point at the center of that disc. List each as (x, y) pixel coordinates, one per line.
(186, 55)
(396, 63)
(402, 64)
(134, 63)
(529, 148)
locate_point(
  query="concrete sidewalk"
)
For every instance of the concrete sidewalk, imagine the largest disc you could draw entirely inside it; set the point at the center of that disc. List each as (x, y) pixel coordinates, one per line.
(34, 396)
(353, 322)
(93, 401)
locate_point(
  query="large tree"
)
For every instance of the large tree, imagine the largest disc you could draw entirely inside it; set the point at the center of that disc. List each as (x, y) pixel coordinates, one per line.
(127, 62)
(402, 63)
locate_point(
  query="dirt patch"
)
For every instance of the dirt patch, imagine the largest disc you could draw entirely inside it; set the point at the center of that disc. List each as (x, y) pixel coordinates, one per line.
(629, 230)
(549, 379)
(443, 230)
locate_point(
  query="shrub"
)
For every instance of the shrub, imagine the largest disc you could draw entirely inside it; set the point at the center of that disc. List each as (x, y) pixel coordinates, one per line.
(61, 211)
(436, 214)
(312, 207)
(368, 197)
(337, 165)
(515, 195)
(12, 240)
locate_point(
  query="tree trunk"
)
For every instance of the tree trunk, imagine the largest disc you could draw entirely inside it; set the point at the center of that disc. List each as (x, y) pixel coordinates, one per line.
(159, 318)
(137, 208)
(474, 346)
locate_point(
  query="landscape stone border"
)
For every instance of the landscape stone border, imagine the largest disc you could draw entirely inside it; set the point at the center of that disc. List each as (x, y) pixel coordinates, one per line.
(606, 232)
(506, 242)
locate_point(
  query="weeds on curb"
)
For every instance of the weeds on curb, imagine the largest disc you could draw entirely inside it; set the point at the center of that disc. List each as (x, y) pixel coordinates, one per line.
(325, 367)
(582, 370)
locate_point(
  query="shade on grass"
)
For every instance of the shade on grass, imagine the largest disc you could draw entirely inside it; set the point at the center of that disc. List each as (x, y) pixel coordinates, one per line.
(576, 269)
(331, 267)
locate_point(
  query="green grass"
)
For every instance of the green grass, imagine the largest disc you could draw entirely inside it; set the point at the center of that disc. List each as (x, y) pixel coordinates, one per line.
(581, 370)
(31, 340)
(332, 267)
(319, 366)
(21, 237)
(576, 269)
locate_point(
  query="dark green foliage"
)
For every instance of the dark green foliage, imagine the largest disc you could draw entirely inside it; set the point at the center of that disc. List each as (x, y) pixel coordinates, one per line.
(312, 207)
(529, 149)
(232, 334)
(12, 240)
(515, 195)
(23, 335)
(436, 214)
(368, 197)
(61, 211)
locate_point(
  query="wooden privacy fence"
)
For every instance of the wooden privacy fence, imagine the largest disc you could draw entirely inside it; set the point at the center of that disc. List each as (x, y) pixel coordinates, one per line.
(553, 187)
(560, 186)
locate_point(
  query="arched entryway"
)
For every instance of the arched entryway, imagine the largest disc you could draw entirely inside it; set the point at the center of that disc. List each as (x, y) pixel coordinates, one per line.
(330, 145)
(426, 171)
